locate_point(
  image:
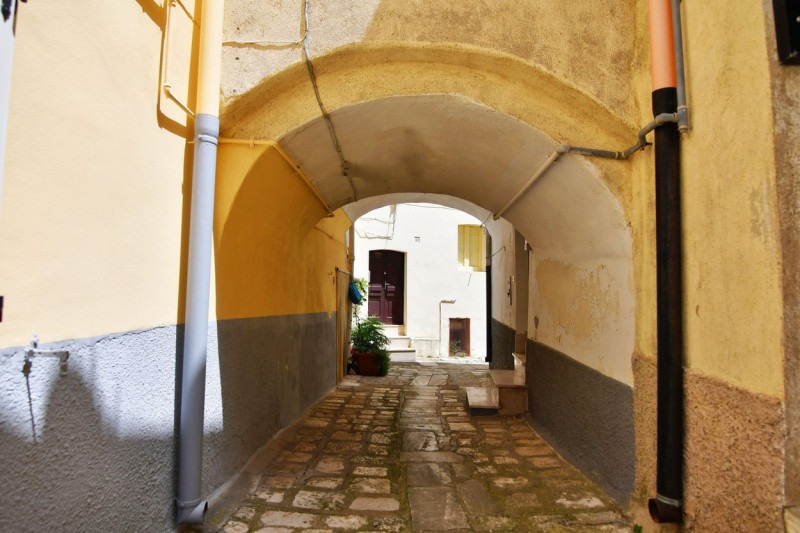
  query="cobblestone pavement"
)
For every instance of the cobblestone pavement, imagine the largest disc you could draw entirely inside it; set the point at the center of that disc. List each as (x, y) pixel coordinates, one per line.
(401, 453)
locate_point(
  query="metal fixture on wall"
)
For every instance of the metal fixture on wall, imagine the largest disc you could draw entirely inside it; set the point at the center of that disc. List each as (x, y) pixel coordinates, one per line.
(787, 30)
(34, 352)
(680, 115)
(6, 9)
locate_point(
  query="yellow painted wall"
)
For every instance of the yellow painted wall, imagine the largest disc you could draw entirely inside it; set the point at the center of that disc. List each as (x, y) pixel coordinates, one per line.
(733, 296)
(585, 43)
(276, 249)
(90, 233)
(97, 183)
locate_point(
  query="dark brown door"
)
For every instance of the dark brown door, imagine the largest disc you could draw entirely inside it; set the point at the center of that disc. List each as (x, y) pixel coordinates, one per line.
(386, 285)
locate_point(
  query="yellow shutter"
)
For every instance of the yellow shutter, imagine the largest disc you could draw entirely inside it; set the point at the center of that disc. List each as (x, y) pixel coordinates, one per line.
(471, 247)
(476, 249)
(462, 245)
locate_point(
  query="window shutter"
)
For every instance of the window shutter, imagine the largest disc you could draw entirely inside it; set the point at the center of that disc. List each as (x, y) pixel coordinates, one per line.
(462, 245)
(471, 247)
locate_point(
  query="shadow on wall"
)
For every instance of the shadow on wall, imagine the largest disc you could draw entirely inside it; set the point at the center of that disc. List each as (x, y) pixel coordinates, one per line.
(95, 449)
(272, 370)
(277, 349)
(70, 469)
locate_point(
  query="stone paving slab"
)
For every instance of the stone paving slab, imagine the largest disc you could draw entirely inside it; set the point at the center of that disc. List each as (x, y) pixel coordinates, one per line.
(436, 509)
(400, 454)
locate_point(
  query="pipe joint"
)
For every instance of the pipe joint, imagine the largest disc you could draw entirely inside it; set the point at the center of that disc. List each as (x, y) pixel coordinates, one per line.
(206, 126)
(665, 510)
(664, 118)
(207, 139)
(683, 118)
(193, 512)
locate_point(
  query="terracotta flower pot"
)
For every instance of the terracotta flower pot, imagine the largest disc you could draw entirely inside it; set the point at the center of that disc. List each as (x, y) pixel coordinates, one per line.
(367, 363)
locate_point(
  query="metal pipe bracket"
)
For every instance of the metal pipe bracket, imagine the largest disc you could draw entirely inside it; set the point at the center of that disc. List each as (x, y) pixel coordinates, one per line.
(33, 352)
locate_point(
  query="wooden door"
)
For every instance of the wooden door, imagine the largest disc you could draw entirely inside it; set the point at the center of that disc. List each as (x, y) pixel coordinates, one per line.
(386, 286)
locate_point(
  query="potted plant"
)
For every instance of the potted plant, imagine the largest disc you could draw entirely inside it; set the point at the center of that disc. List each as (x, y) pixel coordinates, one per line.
(369, 347)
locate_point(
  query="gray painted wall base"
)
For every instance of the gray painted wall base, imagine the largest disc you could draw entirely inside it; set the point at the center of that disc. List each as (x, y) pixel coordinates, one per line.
(586, 416)
(503, 338)
(94, 450)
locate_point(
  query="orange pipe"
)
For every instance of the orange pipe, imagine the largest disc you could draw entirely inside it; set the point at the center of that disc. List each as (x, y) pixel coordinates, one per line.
(662, 48)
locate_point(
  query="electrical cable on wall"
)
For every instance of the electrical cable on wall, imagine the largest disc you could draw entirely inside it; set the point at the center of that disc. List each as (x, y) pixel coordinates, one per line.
(390, 223)
(497, 252)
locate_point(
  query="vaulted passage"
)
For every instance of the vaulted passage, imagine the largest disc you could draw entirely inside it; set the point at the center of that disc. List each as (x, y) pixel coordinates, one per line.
(578, 325)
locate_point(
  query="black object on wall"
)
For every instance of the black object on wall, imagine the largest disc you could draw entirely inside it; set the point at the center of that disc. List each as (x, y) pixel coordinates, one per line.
(667, 506)
(787, 30)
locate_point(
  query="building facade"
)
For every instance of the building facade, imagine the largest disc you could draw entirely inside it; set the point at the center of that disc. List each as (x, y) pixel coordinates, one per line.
(443, 295)
(329, 109)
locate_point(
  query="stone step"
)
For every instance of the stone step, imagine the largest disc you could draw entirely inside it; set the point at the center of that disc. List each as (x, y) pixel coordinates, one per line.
(508, 379)
(512, 391)
(519, 364)
(483, 401)
(394, 330)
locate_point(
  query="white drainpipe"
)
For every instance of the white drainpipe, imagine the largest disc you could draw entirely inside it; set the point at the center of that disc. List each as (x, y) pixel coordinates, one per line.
(8, 23)
(191, 507)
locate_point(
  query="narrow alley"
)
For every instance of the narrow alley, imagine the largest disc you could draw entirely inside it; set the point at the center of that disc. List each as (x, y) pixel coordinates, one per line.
(401, 453)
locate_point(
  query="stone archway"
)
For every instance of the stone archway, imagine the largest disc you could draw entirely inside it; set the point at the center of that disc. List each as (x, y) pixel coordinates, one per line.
(473, 129)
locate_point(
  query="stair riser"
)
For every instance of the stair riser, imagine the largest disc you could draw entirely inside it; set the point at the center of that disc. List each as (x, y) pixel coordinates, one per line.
(399, 342)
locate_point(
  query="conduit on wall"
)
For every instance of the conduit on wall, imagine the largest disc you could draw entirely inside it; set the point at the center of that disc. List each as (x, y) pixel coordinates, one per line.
(295, 167)
(667, 506)
(191, 507)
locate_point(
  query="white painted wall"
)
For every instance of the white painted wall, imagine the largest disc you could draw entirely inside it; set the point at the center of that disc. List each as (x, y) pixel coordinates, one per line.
(428, 235)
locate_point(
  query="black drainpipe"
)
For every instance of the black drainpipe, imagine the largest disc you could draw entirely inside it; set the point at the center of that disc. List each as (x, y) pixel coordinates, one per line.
(488, 358)
(667, 505)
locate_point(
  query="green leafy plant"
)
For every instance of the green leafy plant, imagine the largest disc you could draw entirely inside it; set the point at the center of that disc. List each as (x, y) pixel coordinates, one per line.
(362, 285)
(637, 529)
(368, 337)
(455, 349)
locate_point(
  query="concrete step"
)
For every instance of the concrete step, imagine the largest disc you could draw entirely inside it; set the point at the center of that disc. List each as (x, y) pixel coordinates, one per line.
(403, 355)
(483, 401)
(399, 342)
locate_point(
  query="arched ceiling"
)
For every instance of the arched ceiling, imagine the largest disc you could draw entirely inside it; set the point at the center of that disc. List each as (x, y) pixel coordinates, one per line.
(434, 144)
(452, 146)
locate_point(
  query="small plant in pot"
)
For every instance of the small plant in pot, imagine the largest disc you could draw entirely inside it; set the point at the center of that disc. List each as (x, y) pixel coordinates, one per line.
(369, 347)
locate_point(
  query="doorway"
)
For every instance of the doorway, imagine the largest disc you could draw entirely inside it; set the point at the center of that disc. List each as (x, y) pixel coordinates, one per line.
(387, 286)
